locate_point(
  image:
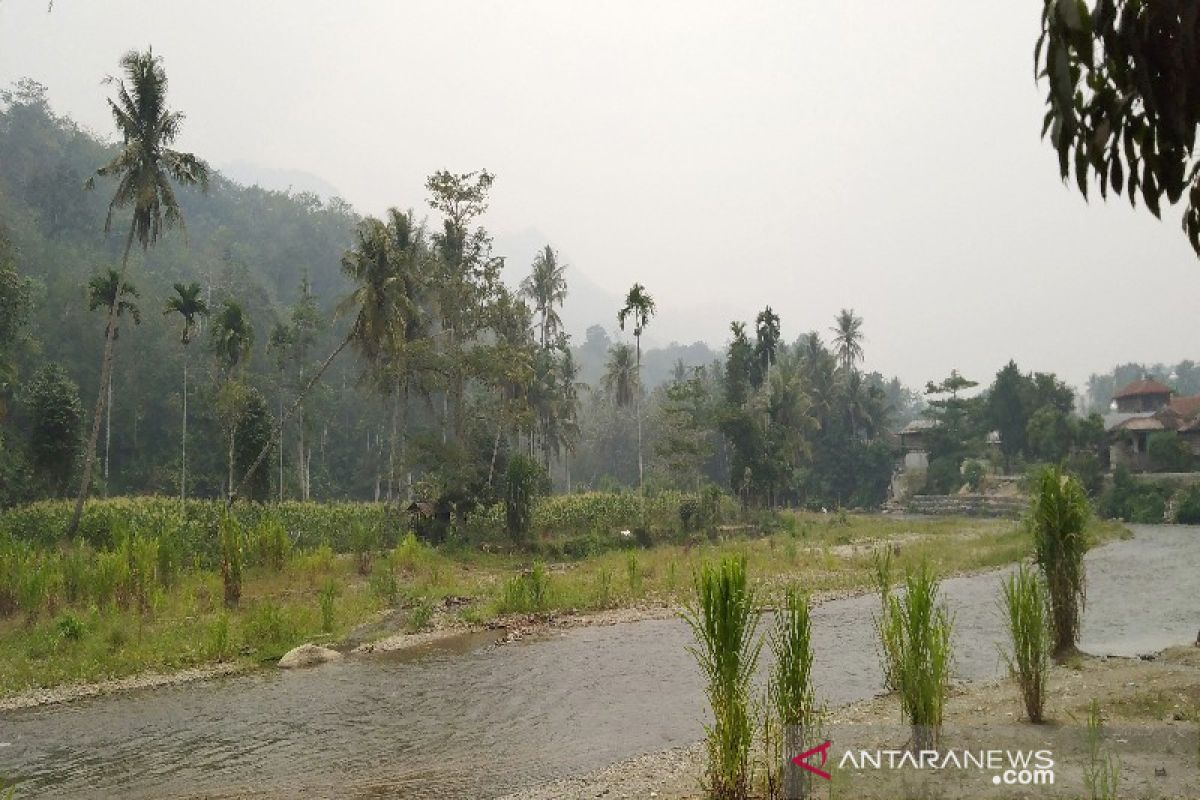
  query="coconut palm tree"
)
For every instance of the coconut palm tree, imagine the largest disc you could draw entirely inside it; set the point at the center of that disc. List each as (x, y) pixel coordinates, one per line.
(190, 306)
(372, 305)
(232, 337)
(102, 293)
(640, 307)
(145, 168)
(546, 287)
(848, 338)
(620, 375)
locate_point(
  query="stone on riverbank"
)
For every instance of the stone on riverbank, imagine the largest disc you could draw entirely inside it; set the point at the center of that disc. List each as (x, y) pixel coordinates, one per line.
(308, 655)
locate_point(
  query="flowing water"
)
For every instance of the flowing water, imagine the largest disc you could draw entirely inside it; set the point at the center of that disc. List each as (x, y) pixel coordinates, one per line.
(468, 720)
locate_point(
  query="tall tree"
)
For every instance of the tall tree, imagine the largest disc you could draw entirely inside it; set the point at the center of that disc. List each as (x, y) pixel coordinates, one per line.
(639, 307)
(468, 276)
(1008, 410)
(1123, 98)
(766, 329)
(102, 293)
(847, 338)
(191, 307)
(145, 168)
(546, 286)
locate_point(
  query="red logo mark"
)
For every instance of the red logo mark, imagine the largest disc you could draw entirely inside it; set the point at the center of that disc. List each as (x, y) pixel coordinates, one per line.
(802, 759)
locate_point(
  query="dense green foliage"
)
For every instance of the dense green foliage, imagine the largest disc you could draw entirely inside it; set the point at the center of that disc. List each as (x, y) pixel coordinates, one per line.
(1168, 452)
(54, 426)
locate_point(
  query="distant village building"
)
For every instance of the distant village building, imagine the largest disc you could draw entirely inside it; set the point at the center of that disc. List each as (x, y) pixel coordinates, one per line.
(1144, 408)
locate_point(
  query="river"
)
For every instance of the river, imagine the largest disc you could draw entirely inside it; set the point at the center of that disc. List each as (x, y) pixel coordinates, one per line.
(466, 719)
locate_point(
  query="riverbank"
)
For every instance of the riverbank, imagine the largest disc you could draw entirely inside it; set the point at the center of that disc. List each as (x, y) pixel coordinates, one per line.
(416, 594)
(1150, 711)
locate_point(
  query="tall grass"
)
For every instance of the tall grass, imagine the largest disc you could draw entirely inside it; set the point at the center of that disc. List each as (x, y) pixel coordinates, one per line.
(328, 595)
(1030, 638)
(882, 574)
(920, 627)
(1102, 773)
(791, 687)
(724, 622)
(1058, 513)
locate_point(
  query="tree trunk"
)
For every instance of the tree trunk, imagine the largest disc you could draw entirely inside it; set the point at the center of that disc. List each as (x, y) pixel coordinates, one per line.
(89, 458)
(262, 454)
(183, 459)
(405, 495)
(281, 440)
(637, 410)
(107, 431)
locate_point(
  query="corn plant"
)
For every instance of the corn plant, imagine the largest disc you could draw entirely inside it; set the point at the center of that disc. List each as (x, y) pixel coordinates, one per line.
(1058, 514)
(920, 628)
(1030, 637)
(791, 688)
(724, 622)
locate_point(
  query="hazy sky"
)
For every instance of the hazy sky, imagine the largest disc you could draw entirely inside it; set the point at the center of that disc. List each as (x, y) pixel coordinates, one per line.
(810, 155)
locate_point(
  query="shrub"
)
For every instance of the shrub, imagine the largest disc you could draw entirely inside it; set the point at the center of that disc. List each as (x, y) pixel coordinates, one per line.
(421, 614)
(527, 592)
(973, 474)
(272, 548)
(1030, 637)
(366, 540)
(385, 586)
(724, 621)
(70, 627)
(1187, 506)
(1058, 514)
(920, 627)
(269, 630)
(523, 483)
(1168, 452)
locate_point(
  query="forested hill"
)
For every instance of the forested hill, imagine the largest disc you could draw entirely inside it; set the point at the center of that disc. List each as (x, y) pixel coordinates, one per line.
(243, 243)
